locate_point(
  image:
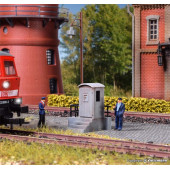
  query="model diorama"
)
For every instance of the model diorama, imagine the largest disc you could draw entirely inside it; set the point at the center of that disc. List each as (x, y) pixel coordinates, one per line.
(56, 128)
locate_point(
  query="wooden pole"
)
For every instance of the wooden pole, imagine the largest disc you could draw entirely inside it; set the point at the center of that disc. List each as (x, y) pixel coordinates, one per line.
(81, 47)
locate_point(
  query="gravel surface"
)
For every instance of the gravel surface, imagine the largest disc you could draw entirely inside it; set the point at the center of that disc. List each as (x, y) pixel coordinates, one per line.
(126, 119)
(143, 132)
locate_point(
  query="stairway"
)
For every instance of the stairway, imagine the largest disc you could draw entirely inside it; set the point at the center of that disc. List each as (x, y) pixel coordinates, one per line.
(82, 125)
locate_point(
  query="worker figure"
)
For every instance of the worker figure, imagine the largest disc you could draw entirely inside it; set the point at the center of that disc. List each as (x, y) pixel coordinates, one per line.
(119, 111)
(41, 112)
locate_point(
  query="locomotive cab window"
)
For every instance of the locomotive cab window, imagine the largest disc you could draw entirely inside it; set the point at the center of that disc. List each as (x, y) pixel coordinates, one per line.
(9, 68)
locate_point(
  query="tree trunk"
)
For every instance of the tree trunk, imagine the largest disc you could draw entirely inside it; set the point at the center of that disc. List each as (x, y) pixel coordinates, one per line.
(114, 84)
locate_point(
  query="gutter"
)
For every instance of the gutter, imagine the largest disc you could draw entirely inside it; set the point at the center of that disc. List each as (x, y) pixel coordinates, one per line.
(133, 52)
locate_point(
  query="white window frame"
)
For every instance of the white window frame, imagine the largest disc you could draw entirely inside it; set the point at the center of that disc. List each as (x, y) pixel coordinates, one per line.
(149, 18)
(50, 57)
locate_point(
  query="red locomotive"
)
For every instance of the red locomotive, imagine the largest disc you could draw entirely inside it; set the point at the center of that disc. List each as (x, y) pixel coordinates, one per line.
(10, 101)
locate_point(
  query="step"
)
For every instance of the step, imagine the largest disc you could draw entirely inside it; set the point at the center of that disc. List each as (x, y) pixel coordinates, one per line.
(78, 126)
(81, 123)
(77, 130)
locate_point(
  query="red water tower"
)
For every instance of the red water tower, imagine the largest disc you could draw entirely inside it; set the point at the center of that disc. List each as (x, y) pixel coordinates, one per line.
(30, 33)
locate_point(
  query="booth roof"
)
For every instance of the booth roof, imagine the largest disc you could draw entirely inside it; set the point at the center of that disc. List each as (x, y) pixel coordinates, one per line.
(92, 85)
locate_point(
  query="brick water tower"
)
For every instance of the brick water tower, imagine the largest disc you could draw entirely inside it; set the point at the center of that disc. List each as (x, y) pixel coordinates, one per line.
(30, 33)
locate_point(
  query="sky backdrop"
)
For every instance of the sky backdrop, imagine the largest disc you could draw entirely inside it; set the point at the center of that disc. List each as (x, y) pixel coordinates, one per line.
(74, 8)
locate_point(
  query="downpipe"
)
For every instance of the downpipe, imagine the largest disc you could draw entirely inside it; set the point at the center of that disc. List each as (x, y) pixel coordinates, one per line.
(133, 52)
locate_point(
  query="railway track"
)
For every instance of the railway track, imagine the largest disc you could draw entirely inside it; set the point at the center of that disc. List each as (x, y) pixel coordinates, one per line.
(142, 149)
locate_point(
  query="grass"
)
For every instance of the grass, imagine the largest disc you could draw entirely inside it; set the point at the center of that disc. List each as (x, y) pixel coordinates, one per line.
(27, 153)
(22, 153)
(61, 131)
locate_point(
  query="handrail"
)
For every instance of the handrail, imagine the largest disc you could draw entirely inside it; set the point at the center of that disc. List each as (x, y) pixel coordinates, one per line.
(59, 12)
(30, 6)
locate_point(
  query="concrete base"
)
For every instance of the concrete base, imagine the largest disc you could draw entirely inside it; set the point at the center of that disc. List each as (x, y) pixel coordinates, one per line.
(82, 125)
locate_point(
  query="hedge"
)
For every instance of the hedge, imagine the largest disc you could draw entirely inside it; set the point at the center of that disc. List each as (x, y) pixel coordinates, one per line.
(131, 104)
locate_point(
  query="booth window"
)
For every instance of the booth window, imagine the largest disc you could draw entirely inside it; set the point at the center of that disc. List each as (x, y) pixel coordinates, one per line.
(97, 96)
(53, 86)
(6, 50)
(50, 57)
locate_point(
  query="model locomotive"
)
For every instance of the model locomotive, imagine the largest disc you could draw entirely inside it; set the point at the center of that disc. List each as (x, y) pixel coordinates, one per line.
(10, 101)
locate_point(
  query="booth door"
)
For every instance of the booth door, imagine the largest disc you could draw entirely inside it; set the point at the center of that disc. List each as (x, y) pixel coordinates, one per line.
(86, 102)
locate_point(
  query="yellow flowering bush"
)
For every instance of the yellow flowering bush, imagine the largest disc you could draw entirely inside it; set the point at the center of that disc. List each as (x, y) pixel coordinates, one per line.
(131, 104)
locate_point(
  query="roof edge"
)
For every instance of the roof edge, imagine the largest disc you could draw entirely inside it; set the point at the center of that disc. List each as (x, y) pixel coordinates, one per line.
(92, 85)
(2, 53)
(149, 6)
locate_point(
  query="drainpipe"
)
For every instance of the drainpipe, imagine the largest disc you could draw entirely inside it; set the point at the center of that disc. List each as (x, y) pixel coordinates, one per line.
(133, 52)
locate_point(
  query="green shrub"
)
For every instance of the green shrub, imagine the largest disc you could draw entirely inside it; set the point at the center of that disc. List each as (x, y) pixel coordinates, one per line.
(110, 91)
(71, 89)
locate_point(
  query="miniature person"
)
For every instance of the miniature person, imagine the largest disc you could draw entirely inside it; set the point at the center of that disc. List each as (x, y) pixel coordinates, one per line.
(119, 111)
(41, 112)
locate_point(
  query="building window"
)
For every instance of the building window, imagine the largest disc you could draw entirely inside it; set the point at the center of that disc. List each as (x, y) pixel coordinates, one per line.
(50, 57)
(153, 29)
(6, 50)
(53, 86)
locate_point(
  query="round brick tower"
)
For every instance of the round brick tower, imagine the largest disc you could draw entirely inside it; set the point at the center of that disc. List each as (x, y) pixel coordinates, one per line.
(30, 33)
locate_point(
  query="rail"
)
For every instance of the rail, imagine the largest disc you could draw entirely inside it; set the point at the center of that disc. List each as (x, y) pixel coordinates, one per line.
(144, 149)
(36, 11)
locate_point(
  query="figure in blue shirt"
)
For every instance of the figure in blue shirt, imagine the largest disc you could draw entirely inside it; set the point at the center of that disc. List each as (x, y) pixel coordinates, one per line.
(119, 111)
(41, 112)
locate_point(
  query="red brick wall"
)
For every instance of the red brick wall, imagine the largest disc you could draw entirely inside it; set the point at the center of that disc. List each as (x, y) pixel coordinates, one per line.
(152, 77)
(144, 14)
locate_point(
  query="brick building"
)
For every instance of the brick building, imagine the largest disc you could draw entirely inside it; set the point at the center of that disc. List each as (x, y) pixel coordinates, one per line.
(151, 27)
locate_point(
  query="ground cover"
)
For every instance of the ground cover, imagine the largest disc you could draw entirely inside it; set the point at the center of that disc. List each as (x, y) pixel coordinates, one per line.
(60, 131)
(26, 153)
